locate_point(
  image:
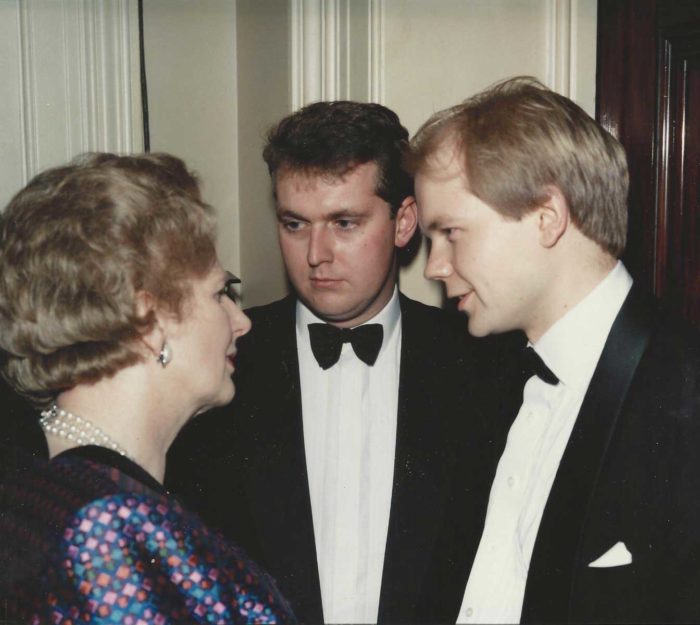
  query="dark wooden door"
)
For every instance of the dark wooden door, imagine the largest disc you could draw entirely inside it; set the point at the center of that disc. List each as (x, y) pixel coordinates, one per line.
(648, 96)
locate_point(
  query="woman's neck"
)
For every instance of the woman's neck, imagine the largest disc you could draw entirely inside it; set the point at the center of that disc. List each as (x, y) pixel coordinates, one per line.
(120, 413)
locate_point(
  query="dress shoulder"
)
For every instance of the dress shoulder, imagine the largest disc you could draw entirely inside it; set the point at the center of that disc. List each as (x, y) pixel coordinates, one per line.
(122, 554)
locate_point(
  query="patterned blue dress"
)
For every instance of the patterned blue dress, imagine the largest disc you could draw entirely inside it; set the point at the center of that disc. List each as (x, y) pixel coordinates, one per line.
(90, 537)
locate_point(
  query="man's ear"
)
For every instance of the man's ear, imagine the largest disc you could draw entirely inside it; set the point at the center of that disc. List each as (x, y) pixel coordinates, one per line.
(553, 217)
(406, 221)
(154, 337)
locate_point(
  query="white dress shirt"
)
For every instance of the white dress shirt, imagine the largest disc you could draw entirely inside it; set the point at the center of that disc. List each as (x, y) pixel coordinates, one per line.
(349, 415)
(536, 441)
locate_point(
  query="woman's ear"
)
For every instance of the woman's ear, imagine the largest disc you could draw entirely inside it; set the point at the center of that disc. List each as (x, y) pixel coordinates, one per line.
(406, 221)
(553, 217)
(154, 337)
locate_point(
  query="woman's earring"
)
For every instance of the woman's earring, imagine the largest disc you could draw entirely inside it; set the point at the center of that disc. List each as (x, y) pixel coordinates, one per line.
(165, 356)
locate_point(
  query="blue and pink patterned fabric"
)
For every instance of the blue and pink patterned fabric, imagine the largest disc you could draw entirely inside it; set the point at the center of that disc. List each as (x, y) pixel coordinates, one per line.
(85, 542)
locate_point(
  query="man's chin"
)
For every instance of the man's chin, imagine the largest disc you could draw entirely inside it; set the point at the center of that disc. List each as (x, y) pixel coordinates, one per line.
(476, 328)
(327, 306)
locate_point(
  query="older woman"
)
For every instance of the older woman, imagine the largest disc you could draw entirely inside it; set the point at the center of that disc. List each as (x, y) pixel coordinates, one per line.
(117, 318)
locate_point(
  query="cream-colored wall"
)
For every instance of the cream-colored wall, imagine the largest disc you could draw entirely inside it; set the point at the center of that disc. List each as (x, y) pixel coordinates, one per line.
(69, 75)
(12, 176)
(439, 53)
(415, 56)
(220, 72)
(218, 76)
(190, 50)
(263, 98)
(585, 21)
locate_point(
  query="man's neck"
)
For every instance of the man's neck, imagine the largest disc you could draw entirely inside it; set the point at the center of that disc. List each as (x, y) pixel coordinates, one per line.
(571, 282)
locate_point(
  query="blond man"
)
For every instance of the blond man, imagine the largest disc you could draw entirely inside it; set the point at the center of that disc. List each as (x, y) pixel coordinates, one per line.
(593, 512)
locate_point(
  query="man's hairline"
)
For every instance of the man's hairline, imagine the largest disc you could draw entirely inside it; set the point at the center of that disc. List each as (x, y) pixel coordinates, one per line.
(334, 177)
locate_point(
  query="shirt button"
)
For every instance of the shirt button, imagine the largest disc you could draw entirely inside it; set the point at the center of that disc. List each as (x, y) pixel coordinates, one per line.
(469, 612)
(511, 481)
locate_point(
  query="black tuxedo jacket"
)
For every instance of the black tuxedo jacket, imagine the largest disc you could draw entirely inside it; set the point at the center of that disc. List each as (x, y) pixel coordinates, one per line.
(630, 474)
(21, 436)
(244, 469)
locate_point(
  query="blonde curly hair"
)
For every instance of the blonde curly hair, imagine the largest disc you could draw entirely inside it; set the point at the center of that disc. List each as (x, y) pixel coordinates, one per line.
(76, 246)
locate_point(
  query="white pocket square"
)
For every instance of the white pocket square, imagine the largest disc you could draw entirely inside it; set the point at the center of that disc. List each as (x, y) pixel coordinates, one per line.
(617, 555)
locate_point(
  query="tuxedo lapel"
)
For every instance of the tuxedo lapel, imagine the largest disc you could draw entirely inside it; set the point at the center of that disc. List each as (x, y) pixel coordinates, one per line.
(278, 490)
(420, 469)
(550, 576)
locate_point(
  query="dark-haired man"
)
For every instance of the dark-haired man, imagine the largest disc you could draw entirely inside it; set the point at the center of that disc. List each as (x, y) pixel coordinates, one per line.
(332, 466)
(593, 514)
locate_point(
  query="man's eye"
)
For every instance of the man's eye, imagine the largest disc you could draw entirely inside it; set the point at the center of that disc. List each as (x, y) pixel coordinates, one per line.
(345, 224)
(292, 226)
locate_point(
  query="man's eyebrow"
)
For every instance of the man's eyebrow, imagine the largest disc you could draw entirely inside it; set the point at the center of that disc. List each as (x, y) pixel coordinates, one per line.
(435, 224)
(343, 213)
(289, 214)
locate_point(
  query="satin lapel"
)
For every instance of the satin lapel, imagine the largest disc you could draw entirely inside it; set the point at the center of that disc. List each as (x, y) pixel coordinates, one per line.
(279, 491)
(548, 590)
(420, 470)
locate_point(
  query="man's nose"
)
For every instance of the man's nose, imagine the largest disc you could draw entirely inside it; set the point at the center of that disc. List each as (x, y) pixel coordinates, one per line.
(320, 246)
(438, 265)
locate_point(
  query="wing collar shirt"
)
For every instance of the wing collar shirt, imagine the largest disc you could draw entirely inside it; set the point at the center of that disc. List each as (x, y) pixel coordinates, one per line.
(349, 416)
(536, 441)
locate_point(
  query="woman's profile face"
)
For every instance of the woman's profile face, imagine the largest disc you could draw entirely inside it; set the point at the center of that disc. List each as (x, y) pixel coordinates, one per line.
(203, 342)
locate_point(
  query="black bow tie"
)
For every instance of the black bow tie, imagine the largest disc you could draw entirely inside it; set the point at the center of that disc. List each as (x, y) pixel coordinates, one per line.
(327, 342)
(531, 364)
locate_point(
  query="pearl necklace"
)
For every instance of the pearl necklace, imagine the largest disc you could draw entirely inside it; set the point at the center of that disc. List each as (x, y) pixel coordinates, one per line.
(76, 429)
